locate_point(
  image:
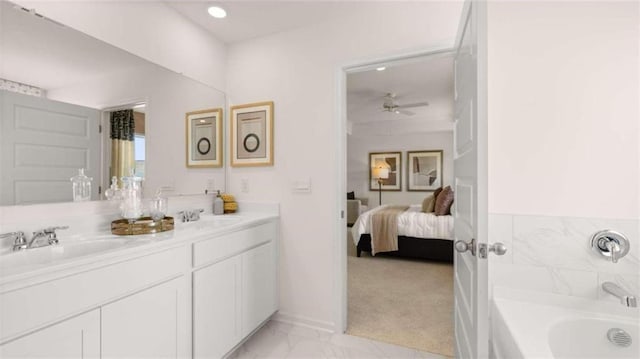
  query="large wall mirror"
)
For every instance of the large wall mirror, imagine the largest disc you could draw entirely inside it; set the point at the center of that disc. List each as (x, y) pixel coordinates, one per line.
(59, 90)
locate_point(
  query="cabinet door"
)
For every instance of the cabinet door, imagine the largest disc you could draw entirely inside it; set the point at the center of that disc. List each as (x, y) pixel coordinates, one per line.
(216, 308)
(145, 324)
(78, 337)
(259, 296)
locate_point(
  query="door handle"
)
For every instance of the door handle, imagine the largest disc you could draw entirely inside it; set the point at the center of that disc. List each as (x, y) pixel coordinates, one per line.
(462, 246)
(497, 248)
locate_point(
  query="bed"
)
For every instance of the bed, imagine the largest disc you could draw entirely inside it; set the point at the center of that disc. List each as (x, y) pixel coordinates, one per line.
(420, 235)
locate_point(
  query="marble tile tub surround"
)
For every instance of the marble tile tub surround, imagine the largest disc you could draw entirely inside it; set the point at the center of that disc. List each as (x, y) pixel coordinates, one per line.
(553, 254)
(95, 216)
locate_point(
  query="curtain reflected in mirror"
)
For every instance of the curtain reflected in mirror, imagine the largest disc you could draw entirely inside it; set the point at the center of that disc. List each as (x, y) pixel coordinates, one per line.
(122, 145)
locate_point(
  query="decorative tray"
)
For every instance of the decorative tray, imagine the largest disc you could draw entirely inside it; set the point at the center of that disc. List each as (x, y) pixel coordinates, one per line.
(144, 225)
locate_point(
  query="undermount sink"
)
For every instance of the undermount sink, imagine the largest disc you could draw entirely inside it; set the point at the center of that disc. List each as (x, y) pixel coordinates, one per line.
(16, 262)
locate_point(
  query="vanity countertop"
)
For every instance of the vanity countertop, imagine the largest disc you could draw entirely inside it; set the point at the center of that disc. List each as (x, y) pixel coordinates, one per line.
(80, 252)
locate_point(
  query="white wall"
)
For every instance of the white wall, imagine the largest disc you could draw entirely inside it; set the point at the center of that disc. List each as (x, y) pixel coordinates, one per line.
(563, 143)
(149, 29)
(563, 105)
(359, 147)
(299, 70)
(168, 96)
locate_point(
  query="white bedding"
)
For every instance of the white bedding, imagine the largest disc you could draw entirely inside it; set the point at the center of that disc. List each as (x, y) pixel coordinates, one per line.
(411, 223)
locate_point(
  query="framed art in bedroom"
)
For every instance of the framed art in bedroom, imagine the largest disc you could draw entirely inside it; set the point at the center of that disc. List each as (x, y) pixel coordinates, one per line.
(424, 170)
(204, 138)
(252, 134)
(385, 171)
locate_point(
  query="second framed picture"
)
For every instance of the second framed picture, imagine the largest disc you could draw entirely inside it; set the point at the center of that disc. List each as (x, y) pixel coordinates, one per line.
(424, 170)
(385, 171)
(204, 138)
(252, 134)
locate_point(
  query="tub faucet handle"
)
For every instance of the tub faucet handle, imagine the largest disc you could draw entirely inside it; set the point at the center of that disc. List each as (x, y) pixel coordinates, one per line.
(614, 248)
(610, 244)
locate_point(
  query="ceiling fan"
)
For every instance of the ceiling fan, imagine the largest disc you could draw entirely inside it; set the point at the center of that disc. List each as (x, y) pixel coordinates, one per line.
(390, 105)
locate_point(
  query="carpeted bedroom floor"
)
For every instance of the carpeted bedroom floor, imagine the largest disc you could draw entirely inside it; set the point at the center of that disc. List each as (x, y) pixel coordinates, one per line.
(401, 301)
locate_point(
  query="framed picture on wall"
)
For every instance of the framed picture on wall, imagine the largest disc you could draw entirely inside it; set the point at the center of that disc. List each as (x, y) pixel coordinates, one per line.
(204, 138)
(385, 171)
(252, 134)
(424, 170)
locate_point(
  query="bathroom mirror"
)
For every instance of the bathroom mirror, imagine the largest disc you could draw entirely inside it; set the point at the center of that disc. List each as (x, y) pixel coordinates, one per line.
(58, 88)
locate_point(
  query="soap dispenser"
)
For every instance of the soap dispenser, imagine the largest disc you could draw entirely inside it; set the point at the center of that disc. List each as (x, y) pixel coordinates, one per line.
(218, 204)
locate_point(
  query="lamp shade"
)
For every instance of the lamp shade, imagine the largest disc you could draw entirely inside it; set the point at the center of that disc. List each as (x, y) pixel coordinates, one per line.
(380, 173)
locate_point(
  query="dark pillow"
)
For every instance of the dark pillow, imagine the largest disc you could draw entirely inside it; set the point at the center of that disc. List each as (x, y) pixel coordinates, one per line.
(444, 202)
(351, 195)
(436, 193)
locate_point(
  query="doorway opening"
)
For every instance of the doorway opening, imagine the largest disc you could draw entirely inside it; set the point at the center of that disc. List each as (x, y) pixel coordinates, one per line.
(123, 143)
(398, 153)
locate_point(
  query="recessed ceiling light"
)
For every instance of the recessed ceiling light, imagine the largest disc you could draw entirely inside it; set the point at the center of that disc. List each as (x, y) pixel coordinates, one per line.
(381, 68)
(217, 12)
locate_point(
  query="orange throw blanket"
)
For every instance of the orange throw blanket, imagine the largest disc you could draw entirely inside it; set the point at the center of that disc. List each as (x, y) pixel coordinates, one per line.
(384, 229)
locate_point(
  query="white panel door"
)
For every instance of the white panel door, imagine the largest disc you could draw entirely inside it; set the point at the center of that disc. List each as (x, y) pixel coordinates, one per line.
(78, 337)
(470, 172)
(43, 144)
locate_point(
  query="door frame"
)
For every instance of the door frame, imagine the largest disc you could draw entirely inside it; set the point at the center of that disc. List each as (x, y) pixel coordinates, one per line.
(340, 160)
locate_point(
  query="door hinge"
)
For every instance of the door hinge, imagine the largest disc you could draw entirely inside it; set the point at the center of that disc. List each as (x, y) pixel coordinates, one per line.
(342, 214)
(99, 128)
(99, 189)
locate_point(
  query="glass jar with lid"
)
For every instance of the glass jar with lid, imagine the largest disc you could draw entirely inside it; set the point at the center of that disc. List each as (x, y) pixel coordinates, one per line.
(131, 207)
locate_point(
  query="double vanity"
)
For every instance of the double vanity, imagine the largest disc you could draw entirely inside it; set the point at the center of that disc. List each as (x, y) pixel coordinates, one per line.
(196, 291)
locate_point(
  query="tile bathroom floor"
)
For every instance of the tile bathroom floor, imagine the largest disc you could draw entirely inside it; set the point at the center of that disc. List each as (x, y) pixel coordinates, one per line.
(281, 340)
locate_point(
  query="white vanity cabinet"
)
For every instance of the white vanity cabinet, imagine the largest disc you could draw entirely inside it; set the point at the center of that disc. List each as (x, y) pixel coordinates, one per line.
(136, 309)
(77, 337)
(144, 325)
(234, 288)
(199, 296)
(259, 296)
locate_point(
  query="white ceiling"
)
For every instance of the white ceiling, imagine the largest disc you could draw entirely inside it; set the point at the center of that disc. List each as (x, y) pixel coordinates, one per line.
(429, 79)
(41, 53)
(250, 19)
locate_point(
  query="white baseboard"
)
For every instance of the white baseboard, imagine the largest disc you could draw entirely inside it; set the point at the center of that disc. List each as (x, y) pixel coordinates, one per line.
(305, 322)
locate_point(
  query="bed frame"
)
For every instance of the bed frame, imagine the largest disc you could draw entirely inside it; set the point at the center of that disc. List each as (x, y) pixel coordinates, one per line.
(412, 247)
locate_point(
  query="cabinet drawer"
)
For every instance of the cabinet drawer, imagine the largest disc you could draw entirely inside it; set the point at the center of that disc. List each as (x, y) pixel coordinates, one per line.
(25, 309)
(215, 249)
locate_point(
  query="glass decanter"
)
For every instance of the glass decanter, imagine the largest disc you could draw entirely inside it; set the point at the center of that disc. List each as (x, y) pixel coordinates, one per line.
(81, 186)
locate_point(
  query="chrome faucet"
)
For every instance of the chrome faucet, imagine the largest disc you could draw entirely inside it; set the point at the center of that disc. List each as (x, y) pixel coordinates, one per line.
(48, 233)
(19, 240)
(627, 299)
(190, 215)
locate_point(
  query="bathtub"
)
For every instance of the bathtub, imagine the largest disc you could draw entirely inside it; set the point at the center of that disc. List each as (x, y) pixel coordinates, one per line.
(539, 325)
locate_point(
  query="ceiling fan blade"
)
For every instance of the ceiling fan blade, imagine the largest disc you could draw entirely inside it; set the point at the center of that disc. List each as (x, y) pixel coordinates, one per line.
(417, 104)
(405, 112)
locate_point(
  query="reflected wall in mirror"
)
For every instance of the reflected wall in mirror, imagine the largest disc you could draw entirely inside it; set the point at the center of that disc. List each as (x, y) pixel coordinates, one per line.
(71, 83)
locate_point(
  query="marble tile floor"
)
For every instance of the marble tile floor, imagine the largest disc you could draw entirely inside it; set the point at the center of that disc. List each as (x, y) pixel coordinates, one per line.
(282, 340)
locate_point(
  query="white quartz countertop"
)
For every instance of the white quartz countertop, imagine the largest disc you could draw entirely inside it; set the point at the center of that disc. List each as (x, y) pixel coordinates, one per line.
(85, 251)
